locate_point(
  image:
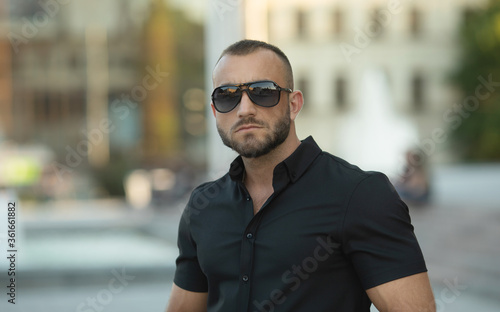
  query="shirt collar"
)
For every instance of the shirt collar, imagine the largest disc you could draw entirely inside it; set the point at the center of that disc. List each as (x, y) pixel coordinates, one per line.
(292, 168)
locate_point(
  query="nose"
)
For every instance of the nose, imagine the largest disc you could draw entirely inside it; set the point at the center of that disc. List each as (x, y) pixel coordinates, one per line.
(246, 107)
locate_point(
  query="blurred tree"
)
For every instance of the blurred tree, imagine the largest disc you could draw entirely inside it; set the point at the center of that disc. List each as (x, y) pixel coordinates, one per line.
(191, 69)
(161, 113)
(173, 47)
(478, 134)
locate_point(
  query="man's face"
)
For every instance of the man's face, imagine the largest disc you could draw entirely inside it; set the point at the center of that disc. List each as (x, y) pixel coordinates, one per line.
(249, 129)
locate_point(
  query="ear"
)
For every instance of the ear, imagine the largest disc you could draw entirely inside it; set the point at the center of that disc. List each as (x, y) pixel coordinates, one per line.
(213, 109)
(296, 102)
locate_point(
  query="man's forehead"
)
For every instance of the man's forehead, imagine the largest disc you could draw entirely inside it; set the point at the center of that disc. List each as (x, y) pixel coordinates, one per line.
(259, 65)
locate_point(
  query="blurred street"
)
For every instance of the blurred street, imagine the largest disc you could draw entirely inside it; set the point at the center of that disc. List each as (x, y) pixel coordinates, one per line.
(105, 256)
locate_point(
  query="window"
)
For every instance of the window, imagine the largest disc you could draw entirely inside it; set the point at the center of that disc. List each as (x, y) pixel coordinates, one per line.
(44, 106)
(375, 26)
(301, 24)
(303, 85)
(78, 104)
(19, 9)
(337, 21)
(340, 93)
(73, 61)
(65, 112)
(418, 92)
(415, 22)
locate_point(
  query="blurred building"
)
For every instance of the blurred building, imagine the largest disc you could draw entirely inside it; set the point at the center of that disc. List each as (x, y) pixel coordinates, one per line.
(334, 45)
(64, 56)
(111, 85)
(5, 74)
(97, 73)
(75, 63)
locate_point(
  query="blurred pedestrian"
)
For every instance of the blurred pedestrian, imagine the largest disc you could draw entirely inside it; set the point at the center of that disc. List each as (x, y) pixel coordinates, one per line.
(290, 227)
(414, 184)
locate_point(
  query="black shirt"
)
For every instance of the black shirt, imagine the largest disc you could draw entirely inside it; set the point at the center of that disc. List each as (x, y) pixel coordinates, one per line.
(329, 232)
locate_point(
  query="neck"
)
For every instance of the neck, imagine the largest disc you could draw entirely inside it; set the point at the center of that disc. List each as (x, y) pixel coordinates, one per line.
(259, 171)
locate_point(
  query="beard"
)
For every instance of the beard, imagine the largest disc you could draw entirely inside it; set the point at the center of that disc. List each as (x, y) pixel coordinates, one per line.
(250, 146)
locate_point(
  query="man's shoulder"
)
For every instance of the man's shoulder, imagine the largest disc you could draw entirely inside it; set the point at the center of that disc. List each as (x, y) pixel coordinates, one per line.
(330, 167)
(349, 177)
(343, 169)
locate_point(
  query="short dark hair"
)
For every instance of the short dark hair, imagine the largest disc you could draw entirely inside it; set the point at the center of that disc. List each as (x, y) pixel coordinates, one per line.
(246, 46)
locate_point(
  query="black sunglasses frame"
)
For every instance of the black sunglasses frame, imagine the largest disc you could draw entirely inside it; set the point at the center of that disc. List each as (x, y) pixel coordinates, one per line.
(241, 90)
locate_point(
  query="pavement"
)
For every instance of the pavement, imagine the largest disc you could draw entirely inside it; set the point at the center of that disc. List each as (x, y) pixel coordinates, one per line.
(71, 252)
(79, 240)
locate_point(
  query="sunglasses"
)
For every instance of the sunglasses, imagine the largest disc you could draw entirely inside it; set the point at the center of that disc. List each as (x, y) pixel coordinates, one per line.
(265, 93)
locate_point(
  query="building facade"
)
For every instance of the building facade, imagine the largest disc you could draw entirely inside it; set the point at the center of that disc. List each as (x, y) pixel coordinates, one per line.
(335, 45)
(93, 77)
(53, 45)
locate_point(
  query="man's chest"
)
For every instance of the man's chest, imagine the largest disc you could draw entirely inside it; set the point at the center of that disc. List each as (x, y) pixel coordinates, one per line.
(285, 233)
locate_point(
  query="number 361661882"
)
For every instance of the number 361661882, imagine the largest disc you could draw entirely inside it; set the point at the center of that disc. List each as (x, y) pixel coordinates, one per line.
(11, 224)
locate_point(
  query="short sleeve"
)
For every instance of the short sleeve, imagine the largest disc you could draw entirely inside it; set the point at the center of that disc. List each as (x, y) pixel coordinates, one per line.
(378, 235)
(188, 274)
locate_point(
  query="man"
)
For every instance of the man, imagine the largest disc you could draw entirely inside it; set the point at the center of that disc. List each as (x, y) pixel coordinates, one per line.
(290, 227)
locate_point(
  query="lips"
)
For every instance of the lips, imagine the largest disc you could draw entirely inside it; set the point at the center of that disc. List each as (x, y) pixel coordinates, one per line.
(247, 127)
(248, 123)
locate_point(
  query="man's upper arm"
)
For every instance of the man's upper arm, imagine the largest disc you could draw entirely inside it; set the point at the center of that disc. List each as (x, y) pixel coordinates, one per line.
(378, 236)
(182, 300)
(190, 288)
(409, 294)
(188, 272)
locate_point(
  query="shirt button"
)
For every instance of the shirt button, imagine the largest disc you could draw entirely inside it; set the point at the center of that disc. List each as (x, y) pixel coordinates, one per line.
(248, 198)
(245, 278)
(249, 235)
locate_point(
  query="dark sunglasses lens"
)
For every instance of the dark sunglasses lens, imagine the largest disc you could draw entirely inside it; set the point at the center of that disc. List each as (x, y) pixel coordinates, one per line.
(264, 93)
(226, 98)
